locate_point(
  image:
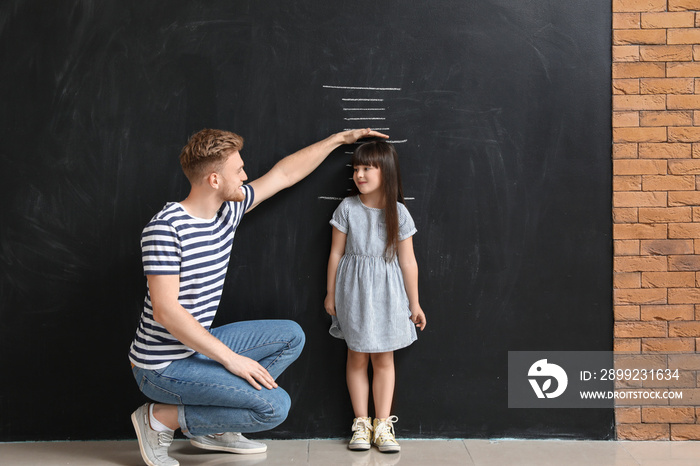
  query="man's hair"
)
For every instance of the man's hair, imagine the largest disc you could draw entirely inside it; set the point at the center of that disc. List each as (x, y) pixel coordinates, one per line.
(206, 151)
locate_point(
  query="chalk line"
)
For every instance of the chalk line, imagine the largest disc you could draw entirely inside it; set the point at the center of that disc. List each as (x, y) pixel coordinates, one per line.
(366, 118)
(356, 109)
(363, 100)
(356, 88)
(331, 198)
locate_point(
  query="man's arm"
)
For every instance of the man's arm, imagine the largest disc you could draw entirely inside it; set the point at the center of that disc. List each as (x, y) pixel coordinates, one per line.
(297, 166)
(168, 312)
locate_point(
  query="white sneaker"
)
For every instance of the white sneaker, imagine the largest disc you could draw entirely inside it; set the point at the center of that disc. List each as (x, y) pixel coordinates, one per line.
(384, 435)
(362, 434)
(153, 445)
(232, 442)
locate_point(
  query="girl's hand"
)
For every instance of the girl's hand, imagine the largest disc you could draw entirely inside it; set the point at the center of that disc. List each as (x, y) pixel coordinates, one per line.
(329, 304)
(418, 317)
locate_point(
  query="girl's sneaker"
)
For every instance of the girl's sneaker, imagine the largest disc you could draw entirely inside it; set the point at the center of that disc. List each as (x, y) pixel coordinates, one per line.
(384, 435)
(362, 434)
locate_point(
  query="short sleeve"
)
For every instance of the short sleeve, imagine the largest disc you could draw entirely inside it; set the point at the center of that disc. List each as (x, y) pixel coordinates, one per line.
(160, 249)
(407, 227)
(249, 197)
(340, 216)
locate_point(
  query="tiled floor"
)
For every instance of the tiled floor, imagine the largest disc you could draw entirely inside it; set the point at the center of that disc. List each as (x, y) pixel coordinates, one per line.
(334, 452)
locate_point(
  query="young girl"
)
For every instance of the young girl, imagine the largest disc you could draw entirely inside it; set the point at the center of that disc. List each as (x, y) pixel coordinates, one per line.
(373, 288)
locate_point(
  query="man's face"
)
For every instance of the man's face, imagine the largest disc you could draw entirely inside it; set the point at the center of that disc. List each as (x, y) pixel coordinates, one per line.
(232, 177)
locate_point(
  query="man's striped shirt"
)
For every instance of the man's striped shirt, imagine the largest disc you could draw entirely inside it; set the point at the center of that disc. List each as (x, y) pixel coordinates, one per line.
(198, 250)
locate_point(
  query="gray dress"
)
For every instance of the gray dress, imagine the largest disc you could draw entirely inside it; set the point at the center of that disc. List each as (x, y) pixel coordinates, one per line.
(370, 297)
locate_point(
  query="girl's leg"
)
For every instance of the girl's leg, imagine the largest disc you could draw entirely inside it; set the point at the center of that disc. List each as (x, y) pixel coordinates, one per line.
(383, 383)
(358, 382)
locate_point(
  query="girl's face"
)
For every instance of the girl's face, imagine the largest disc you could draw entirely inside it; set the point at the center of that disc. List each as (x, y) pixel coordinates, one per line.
(367, 178)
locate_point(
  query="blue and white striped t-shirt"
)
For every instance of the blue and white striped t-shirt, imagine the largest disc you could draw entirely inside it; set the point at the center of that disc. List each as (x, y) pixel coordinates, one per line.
(198, 250)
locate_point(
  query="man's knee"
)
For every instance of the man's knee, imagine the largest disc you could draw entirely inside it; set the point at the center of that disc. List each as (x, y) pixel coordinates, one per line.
(298, 337)
(277, 410)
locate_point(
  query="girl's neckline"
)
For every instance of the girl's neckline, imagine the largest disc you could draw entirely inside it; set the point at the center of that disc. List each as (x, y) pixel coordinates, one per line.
(366, 206)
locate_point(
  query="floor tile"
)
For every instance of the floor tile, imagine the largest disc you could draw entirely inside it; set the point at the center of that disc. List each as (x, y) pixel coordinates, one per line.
(548, 452)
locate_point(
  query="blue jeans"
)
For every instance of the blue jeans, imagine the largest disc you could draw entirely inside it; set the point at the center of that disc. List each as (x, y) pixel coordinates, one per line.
(210, 399)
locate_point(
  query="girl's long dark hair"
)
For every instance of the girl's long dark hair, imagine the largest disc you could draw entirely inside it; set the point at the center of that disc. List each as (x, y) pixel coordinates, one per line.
(383, 155)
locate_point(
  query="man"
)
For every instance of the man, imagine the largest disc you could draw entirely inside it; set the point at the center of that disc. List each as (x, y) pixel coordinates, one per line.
(211, 383)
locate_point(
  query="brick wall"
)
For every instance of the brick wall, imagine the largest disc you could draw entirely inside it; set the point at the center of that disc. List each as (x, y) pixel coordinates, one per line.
(656, 200)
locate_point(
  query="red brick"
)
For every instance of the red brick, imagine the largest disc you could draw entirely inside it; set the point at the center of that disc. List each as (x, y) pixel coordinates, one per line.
(655, 118)
(639, 231)
(628, 415)
(625, 53)
(684, 230)
(685, 432)
(667, 20)
(640, 329)
(687, 198)
(620, 6)
(688, 362)
(684, 329)
(626, 247)
(665, 150)
(640, 199)
(630, 280)
(640, 296)
(671, 414)
(626, 20)
(627, 345)
(643, 432)
(683, 296)
(678, 5)
(668, 183)
(666, 247)
(683, 102)
(630, 119)
(673, 70)
(640, 264)
(667, 312)
(684, 262)
(624, 183)
(639, 102)
(684, 167)
(639, 36)
(668, 345)
(626, 312)
(677, 134)
(625, 215)
(665, 215)
(640, 167)
(625, 150)
(683, 36)
(650, 70)
(666, 53)
(625, 86)
(668, 279)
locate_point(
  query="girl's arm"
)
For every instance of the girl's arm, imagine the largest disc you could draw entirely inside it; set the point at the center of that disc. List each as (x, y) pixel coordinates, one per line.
(337, 251)
(409, 270)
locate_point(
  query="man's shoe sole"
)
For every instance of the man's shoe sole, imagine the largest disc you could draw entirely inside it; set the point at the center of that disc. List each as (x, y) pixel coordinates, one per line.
(240, 451)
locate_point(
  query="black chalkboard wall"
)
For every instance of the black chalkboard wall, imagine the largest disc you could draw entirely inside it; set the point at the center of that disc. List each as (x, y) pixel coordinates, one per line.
(500, 110)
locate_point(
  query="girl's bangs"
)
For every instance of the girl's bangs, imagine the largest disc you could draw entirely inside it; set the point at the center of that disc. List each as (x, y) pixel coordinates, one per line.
(366, 155)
